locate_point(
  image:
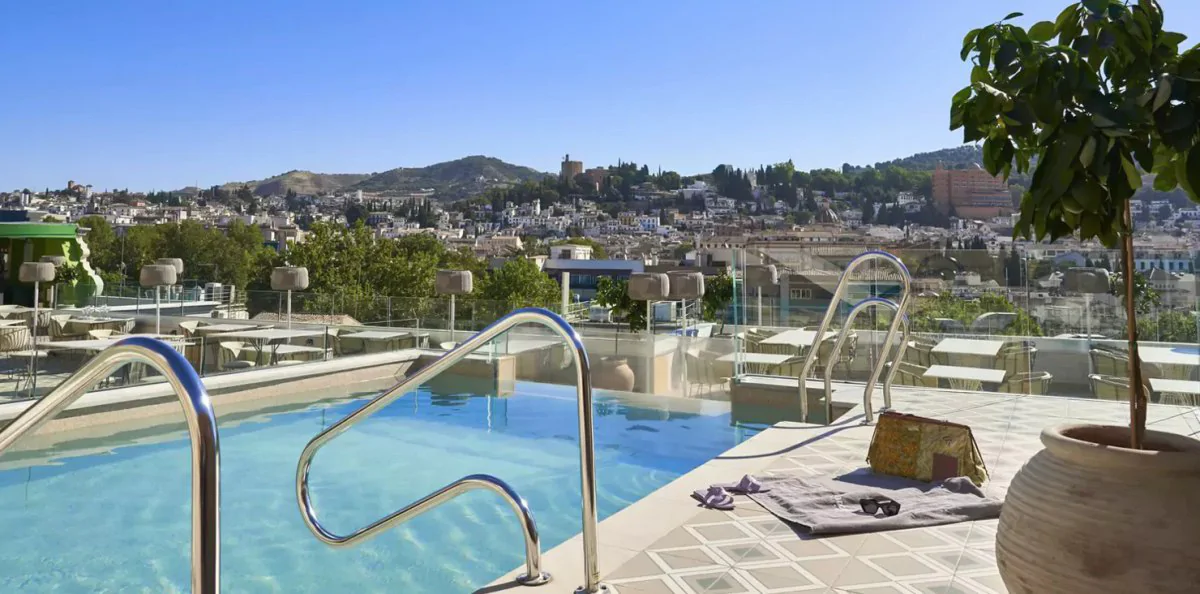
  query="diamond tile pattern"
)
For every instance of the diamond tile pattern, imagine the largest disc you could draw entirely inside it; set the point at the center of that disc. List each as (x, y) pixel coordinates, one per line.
(748, 550)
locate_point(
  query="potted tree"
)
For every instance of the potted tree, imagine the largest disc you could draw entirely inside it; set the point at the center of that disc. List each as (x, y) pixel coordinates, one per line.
(1091, 101)
(612, 372)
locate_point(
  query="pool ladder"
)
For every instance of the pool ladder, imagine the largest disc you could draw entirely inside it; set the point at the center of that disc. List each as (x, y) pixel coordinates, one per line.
(533, 575)
(201, 427)
(899, 320)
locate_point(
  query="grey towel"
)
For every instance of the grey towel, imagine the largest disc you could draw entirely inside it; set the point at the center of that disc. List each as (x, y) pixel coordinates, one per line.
(831, 506)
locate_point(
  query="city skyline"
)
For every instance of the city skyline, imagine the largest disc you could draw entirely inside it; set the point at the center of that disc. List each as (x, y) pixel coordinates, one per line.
(147, 96)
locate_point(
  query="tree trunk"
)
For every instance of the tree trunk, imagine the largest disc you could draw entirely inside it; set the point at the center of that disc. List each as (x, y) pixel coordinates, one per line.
(1137, 391)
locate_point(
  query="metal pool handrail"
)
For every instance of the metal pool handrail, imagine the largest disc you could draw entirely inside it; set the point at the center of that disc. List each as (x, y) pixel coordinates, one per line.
(583, 381)
(868, 413)
(202, 431)
(835, 300)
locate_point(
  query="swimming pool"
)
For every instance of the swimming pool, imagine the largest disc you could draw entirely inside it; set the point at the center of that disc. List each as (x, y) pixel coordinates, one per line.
(118, 521)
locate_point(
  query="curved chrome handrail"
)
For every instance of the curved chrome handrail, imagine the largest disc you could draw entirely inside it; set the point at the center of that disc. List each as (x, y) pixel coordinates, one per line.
(838, 293)
(868, 412)
(202, 431)
(583, 380)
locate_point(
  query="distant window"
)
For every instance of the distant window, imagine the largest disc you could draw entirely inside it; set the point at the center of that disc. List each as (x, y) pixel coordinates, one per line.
(801, 293)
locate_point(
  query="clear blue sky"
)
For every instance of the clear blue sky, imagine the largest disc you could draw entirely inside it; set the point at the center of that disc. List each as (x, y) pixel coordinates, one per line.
(158, 95)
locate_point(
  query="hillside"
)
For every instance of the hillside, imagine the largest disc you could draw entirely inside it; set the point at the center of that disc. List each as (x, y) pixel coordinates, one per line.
(951, 158)
(302, 182)
(460, 174)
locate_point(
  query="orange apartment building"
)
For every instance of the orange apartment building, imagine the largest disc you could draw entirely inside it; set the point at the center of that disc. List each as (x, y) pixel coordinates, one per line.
(973, 193)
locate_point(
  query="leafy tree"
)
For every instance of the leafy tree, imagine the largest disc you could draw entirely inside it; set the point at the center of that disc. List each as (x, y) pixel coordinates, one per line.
(718, 294)
(1089, 96)
(614, 294)
(681, 251)
(356, 212)
(1145, 296)
(669, 181)
(519, 283)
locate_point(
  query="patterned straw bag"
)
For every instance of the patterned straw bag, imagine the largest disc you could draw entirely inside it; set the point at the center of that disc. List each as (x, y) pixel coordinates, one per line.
(925, 449)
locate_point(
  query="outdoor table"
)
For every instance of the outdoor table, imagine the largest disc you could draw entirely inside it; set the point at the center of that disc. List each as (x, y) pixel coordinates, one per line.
(268, 336)
(81, 326)
(968, 352)
(1175, 362)
(375, 341)
(219, 328)
(796, 337)
(1183, 391)
(965, 378)
(763, 363)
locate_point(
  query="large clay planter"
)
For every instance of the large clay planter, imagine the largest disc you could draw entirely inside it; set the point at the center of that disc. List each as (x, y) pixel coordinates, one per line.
(1086, 515)
(613, 374)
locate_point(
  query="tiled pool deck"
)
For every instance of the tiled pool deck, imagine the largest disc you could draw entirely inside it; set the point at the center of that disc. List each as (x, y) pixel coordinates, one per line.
(665, 544)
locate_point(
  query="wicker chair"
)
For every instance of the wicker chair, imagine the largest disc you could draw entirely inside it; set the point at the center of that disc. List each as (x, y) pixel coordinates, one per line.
(188, 328)
(1016, 359)
(1030, 383)
(58, 328)
(911, 374)
(1108, 387)
(229, 356)
(101, 333)
(826, 356)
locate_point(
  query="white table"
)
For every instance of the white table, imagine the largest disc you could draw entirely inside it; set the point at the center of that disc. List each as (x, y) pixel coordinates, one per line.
(796, 337)
(11, 322)
(761, 358)
(271, 334)
(294, 349)
(375, 341)
(99, 344)
(84, 325)
(376, 335)
(219, 328)
(1184, 392)
(268, 336)
(966, 378)
(1176, 362)
(967, 346)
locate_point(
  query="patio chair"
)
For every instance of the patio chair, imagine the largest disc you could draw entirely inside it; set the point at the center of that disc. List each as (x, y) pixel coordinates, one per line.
(229, 355)
(1116, 364)
(1108, 387)
(700, 372)
(911, 374)
(919, 352)
(58, 328)
(842, 360)
(1016, 358)
(188, 328)
(1030, 383)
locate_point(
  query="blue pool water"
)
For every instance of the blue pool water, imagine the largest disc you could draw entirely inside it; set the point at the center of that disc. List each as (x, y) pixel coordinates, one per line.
(112, 515)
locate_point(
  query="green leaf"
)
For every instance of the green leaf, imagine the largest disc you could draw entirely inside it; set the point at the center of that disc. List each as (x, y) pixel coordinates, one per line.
(1187, 169)
(1162, 94)
(968, 43)
(1096, 6)
(1067, 15)
(1173, 39)
(1089, 151)
(1131, 173)
(1164, 178)
(1012, 15)
(1041, 32)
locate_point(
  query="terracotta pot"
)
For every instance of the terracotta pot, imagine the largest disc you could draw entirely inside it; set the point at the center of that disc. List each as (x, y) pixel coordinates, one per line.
(613, 373)
(1090, 516)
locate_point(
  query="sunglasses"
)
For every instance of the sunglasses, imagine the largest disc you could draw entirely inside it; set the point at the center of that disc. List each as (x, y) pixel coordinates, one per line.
(873, 505)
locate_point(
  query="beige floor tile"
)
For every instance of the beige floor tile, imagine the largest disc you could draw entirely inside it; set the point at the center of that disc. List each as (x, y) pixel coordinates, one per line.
(779, 578)
(918, 538)
(714, 533)
(640, 566)
(655, 585)
(825, 571)
(679, 537)
(749, 552)
(878, 544)
(800, 549)
(905, 565)
(715, 582)
(687, 559)
(942, 586)
(858, 573)
(990, 583)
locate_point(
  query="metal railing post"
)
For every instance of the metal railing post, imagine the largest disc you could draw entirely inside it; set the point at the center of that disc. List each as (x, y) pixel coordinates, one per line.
(868, 412)
(587, 457)
(201, 427)
(835, 300)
